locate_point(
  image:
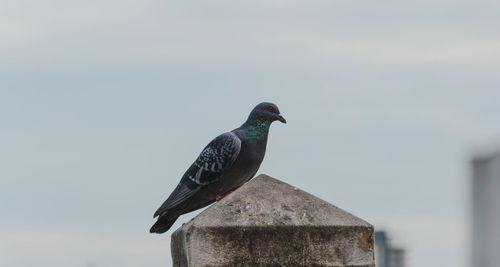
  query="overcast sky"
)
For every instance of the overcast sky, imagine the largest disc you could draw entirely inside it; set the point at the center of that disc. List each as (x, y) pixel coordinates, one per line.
(104, 104)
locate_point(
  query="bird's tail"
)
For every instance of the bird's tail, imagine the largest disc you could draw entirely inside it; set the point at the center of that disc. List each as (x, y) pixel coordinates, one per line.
(163, 224)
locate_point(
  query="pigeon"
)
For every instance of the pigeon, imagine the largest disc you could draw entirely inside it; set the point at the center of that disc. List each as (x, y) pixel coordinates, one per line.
(226, 163)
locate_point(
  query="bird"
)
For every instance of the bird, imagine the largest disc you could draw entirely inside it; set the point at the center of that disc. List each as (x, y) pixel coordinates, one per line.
(226, 163)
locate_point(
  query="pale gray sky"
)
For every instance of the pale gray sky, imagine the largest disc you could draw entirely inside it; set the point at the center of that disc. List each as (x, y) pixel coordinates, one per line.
(104, 104)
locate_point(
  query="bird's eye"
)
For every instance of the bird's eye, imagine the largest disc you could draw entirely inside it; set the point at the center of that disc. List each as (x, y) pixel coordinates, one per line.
(270, 109)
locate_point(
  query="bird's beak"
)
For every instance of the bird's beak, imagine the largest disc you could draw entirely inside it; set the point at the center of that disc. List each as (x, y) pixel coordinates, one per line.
(280, 118)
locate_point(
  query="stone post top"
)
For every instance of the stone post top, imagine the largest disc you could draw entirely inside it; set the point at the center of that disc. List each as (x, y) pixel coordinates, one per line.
(265, 201)
(267, 222)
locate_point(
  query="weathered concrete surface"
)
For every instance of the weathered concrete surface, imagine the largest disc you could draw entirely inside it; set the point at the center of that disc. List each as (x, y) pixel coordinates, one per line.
(267, 222)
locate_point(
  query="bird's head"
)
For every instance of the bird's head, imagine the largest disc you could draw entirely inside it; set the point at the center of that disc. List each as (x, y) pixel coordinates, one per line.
(267, 112)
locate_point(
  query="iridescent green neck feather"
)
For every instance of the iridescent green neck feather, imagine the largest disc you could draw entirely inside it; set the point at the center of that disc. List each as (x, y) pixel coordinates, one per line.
(257, 131)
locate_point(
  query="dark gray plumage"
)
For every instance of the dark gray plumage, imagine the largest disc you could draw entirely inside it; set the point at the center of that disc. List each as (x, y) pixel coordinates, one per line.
(225, 164)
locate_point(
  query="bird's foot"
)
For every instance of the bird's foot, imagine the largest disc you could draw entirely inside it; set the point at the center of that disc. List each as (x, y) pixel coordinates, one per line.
(219, 197)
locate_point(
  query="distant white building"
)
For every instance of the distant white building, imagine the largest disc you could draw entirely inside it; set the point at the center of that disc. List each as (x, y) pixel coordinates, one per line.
(387, 255)
(486, 211)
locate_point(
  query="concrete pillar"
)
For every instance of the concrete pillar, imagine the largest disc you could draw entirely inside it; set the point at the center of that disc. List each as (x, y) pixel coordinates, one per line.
(267, 222)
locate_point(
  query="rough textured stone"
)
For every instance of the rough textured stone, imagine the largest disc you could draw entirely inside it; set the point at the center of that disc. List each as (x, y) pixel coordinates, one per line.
(267, 222)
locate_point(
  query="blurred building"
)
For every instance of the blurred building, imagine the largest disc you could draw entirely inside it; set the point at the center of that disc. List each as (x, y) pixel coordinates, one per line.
(386, 254)
(486, 211)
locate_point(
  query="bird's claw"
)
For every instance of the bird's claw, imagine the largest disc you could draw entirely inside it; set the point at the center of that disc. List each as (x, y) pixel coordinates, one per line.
(219, 197)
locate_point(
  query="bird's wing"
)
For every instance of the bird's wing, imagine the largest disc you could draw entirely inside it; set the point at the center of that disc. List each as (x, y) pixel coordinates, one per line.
(214, 159)
(208, 167)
